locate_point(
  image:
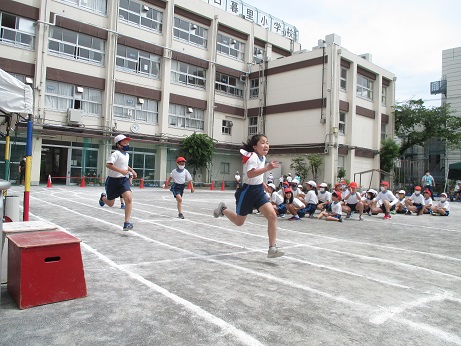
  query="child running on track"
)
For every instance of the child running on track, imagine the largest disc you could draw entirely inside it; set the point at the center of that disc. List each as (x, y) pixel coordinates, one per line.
(180, 176)
(118, 182)
(252, 194)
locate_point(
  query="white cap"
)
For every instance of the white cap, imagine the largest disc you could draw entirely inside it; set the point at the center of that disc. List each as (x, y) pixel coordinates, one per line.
(443, 194)
(119, 138)
(402, 191)
(271, 185)
(312, 183)
(323, 185)
(295, 181)
(373, 191)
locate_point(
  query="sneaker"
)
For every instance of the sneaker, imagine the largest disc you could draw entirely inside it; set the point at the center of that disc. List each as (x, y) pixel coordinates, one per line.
(274, 252)
(101, 202)
(340, 219)
(122, 206)
(369, 213)
(180, 216)
(282, 215)
(219, 210)
(435, 214)
(348, 215)
(127, 226)
(393, 212)
(360, 218)
(311, 216)
(386, 217)
(294, 218)
(408, 212)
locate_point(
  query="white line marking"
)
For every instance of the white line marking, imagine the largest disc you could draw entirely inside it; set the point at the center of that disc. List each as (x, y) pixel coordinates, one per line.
(431, 330)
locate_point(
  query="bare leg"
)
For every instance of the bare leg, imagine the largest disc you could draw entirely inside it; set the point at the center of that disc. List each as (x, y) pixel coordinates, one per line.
(238, 220)
(128, 198)
(179, 203)
(271, 217)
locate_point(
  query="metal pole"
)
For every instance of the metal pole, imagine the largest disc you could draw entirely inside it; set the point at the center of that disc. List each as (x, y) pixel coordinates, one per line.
(28, 169)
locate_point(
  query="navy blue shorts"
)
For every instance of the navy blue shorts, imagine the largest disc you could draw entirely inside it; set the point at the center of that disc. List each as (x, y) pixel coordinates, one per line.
(115, 187)
(282, 208)
(309, 209)
(249, 197)
(177, 189)
(383, 208)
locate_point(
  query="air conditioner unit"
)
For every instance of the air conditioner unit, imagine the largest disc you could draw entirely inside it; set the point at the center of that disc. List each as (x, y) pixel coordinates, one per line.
(74, 116)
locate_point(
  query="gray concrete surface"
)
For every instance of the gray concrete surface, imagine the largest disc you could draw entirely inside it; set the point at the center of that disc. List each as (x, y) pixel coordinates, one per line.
(204, 281)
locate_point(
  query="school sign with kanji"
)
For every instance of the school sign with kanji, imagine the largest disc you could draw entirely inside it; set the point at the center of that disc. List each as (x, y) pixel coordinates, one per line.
(239, 8)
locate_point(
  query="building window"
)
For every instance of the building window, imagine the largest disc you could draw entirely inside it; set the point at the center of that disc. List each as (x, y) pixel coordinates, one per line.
(383, 131)
(231, 47)
(190, 32)
(62, 96)
(384, 96)
(225, 168)
(364, 87)
(186, 117)
(138, 61)
(342, 122)
(229, 85)
(252, 126)
(17, 31)
(341, 162)
(343, 79)
(140, 15)
(227, 127)
(254, 88)
(188, 74)
(76, 45)
(258, 55)
(128, 107)
(92, 5)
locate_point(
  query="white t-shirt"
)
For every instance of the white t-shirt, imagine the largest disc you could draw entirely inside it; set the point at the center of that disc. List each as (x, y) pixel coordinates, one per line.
(180, 176)
(276, 198)
(387, 196)
(428, 202)
(351, 199)
(336, 208)
(445, 205)
(311, 197)
(119, 160)
(418, 199)
(254, 162)
(324, 196)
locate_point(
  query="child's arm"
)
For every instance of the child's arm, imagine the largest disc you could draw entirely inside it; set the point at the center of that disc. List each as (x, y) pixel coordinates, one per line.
(167, 183)
(112, 167)
(132, 172)
(192, 189)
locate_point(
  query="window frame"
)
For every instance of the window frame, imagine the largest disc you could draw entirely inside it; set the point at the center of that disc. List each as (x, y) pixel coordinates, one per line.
(136, 63)
(178, 114)
(258, 55)
(78, 3)
(223, 85)
(227, 43)
(384, 96)
(252, 126)
(19, 34)
(254, 88)
(364, 87)
(181, 74)
(343, 79)
(226, 127)
(190, 32)
(146, 112)
(342, 124)
(134, 9)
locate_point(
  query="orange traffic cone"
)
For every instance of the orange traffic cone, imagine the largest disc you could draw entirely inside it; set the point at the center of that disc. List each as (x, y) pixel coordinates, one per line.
(189, 186)
(82, 183)
(222, 186)
(141, 183)
(49, 181)
(212, 185)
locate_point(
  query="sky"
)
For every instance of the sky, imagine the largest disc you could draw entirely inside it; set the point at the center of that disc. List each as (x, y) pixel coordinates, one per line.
(405, 37)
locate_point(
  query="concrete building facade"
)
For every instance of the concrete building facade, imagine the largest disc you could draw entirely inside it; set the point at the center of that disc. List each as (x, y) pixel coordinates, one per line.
(159, 71)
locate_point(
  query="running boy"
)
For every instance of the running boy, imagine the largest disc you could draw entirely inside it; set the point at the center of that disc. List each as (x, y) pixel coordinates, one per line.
(180, 176)
(251, 195)
(118, 182)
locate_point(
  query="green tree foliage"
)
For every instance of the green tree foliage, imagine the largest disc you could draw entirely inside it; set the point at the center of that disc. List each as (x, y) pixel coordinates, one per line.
(390, 150)
(299, 165)
(315, 161)
(341, 173)
(415, 124)
(198, 149)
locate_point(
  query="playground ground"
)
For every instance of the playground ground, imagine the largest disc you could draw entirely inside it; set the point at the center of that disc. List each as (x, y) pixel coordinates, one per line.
(204, 281)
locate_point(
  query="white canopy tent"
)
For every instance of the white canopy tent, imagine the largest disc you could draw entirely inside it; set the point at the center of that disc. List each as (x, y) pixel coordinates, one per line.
(15, 96)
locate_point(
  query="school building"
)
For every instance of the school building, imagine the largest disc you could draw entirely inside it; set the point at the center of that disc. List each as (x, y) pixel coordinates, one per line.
(159, 71)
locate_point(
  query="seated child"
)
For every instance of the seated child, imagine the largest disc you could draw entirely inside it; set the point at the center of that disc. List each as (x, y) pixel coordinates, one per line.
(400, 207)
(336, 209)
(324, 197)
(415, 203)
(443, 206)
(276, 200)
(352, 201)
(427, 202)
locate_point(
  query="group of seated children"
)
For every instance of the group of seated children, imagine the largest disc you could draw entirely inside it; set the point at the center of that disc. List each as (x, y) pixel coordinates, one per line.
(291, 199)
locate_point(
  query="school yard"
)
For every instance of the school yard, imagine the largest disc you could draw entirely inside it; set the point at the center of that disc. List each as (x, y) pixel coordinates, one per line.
(204, 281)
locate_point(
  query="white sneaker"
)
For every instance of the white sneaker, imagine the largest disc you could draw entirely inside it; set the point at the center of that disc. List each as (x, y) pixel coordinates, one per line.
(274, 252)
(219, 210)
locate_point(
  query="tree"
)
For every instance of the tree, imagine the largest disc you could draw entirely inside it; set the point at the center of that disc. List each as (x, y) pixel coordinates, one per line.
(315, 161)
(298, 164)
(198, 149)
(415, 124)
(341, 173)
(389, 152)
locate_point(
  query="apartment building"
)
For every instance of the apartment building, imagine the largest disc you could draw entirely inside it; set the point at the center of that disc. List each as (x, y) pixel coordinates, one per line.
(159, 71)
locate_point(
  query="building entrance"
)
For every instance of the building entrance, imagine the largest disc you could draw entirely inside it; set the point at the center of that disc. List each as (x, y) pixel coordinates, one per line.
(54, 163)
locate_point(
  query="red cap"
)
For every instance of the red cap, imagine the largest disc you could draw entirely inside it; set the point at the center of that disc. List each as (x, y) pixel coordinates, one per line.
(427, 191)
(286, 183)
(288, 189)
(179, 159)
(353, 184)
(418, 188)
(338, 194)
(385, 183)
